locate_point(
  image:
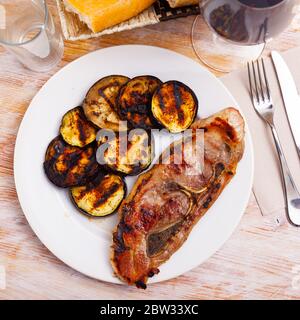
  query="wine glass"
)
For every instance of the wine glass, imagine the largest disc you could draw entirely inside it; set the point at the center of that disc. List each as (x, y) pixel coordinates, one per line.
(232, 32)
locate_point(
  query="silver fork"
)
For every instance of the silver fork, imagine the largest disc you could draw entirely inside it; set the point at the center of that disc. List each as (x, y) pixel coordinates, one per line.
(263, 104)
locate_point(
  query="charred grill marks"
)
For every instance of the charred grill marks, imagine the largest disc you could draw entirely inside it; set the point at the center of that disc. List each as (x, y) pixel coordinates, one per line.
(100, 197)
(161, 101)
(134, 101)
(141, 285)
(219, 168)
(178, 102)
(139, 108)
(174, 106)
(64, 166)
(100, 105)
(177, 96)
(207, 202)
(107, 194)
(81, 128)
(131, 160)
(119, 244)
(76, 130)
(107, 100)
(153, 272)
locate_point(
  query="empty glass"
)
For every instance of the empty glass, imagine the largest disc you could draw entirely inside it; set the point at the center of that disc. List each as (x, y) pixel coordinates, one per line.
(28, 31)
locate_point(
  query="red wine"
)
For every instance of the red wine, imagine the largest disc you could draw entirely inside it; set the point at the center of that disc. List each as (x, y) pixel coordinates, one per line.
(260, 3)
(249, 21)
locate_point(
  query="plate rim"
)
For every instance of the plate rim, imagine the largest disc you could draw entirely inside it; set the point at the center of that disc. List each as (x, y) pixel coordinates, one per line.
(16, 167)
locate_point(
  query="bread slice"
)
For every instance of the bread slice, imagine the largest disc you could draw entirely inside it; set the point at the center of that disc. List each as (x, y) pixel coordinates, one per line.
(182, 3)
(101, 14)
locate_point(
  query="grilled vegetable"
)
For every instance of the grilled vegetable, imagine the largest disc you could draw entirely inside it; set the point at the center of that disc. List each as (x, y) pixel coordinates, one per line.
(68, 166)
(175, 106)
(129, 154)
(100, 103)
(134, 103)
(100, 197)
(76, 130)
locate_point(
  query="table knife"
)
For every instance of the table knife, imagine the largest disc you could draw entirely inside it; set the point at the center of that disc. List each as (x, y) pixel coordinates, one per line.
(290, 95)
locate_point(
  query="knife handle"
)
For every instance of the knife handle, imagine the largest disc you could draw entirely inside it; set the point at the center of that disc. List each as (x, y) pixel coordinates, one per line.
(291, 194)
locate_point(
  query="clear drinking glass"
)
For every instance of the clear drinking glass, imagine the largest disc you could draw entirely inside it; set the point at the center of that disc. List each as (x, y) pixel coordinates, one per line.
(231, 32)
(28, 31)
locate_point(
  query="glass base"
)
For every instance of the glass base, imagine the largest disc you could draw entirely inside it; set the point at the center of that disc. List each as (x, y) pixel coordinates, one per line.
(219, 54)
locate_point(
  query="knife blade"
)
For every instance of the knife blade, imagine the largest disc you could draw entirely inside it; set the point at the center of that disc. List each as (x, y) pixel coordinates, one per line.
(290, 95)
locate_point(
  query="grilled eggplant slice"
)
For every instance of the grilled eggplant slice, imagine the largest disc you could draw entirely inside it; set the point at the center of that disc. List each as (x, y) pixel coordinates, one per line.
(175, 106)
(67, 166)
(134, 102)
(128, 154)
(100, 197)
(76, 130)
(100, 103)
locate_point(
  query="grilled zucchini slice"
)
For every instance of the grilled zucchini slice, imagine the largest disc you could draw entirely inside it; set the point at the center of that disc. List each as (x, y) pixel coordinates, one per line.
(134, 102)
(100, 103)
(137, 157)
(76, 130)
(67, 166)
(100, 197)
(175, 106)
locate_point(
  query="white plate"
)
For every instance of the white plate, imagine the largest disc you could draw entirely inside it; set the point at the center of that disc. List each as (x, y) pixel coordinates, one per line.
(83, 243)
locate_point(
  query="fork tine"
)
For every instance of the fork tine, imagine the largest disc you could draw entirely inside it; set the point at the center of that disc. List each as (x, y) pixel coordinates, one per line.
(266, 79)
(250, 81)
(260, 80)
(255, 82)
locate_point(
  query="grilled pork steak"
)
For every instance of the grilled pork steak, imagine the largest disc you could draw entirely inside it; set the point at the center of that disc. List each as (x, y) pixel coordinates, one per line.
(167, 201)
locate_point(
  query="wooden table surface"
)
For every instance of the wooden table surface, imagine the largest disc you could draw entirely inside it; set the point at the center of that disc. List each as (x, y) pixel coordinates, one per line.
(257, 262)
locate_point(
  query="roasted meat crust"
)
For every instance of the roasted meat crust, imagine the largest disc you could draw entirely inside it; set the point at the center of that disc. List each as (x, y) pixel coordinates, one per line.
(167, 201)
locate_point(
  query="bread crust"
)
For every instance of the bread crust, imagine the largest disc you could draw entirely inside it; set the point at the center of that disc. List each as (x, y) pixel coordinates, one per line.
(99, 15)
(182, 3)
